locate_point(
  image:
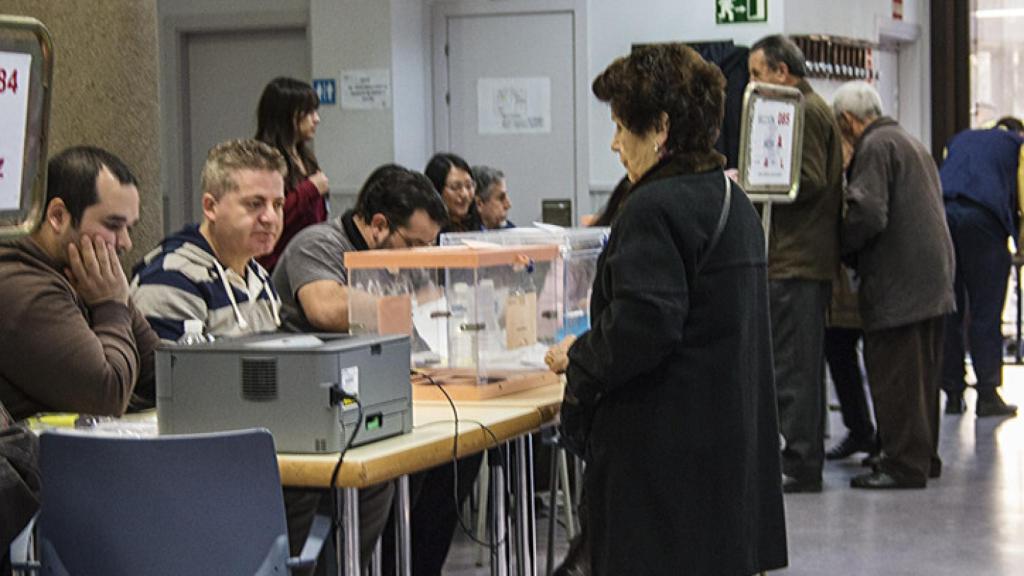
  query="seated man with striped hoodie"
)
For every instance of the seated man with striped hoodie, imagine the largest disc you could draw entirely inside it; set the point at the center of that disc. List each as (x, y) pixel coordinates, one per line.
(208, 272)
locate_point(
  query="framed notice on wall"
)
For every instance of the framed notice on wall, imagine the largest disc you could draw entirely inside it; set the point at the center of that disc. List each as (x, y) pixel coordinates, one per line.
(26, 71)
(771, 142)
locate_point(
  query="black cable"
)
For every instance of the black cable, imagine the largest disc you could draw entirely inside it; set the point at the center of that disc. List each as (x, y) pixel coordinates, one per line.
(490, 545)
(335, 521)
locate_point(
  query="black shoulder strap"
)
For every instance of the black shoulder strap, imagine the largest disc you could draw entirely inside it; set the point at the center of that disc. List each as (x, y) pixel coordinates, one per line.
(723, 218)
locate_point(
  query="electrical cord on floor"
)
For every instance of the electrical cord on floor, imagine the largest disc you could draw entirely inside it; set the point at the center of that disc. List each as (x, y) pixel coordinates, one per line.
(491, 545)
(341, 397)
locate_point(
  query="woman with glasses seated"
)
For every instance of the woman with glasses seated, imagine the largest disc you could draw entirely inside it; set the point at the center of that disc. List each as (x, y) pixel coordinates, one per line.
(453, 180)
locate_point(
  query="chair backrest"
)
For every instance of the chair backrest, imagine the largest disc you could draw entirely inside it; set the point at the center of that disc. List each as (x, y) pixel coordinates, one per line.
(195, 504)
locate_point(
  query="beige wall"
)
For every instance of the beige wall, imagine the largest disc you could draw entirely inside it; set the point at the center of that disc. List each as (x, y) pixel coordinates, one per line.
(105, 89)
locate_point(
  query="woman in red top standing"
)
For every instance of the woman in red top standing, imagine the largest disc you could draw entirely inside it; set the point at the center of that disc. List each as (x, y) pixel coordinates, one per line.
(287, 119)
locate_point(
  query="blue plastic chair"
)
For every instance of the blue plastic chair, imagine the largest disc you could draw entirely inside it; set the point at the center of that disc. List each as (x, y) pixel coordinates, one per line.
(172, 505)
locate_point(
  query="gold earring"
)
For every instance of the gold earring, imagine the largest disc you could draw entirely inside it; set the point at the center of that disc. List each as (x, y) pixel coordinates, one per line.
(657, 147)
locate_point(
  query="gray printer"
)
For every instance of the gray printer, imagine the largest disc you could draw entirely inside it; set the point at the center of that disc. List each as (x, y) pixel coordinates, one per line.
(287, 383)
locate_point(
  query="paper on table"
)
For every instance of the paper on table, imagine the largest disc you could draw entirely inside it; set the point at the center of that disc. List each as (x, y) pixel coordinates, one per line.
(433, 330)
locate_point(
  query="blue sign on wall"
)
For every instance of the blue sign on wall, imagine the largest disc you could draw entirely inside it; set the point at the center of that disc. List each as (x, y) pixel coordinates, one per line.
(326, 90)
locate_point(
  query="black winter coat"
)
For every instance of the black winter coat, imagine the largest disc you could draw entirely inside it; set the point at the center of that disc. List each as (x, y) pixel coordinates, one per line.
(675, 376)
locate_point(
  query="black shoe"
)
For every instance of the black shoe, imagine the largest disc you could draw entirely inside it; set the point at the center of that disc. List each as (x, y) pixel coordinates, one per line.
(935, 468)
(848, 447)
(993, 405)
(880, 480)
(873, 459)
(792, 485)
(955, 403)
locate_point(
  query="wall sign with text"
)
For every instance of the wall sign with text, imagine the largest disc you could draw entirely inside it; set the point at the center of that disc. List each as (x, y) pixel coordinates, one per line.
(26, 70)
(15, 73)
(771, 142)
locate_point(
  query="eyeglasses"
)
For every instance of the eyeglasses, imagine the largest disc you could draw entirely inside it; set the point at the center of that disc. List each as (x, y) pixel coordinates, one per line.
(411, 242)
(460, 186)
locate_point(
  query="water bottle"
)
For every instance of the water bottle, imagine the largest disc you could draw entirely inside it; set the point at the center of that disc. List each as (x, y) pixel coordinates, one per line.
(193, 333)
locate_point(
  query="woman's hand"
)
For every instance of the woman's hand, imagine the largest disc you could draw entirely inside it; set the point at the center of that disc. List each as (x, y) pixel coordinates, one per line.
(320, 180)
(557, 357)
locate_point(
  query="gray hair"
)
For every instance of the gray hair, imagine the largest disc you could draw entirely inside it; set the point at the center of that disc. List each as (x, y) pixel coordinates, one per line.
(779, 49)
(485, 177)
(858, 98)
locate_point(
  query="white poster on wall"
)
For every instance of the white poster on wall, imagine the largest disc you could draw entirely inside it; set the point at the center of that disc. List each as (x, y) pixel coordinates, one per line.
(366, 89)
(514, 105)
(771, 143)
(14, 81)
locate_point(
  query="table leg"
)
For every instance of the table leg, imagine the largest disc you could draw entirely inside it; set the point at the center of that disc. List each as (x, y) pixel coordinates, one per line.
(533, 504)
(552, 508)
(499, 555)
(350, 522)
(403, 525)
(376, 564)
(523, 509)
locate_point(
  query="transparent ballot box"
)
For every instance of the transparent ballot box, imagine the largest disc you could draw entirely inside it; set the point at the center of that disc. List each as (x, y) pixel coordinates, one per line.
(574, 268)
(474, 314)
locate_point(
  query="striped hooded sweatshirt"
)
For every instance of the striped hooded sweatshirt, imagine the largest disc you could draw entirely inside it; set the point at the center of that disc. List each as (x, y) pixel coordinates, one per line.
(182, 279)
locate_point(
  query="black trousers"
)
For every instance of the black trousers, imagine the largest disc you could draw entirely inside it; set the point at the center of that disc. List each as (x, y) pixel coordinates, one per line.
(982, 270)
(903, 366)
(842, 359)
(798, 336)
(435, 503)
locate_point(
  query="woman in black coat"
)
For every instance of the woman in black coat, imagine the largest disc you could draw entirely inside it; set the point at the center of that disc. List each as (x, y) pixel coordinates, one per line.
(670, 395)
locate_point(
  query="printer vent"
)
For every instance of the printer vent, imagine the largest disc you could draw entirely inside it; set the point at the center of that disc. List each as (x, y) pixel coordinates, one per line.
(259, 379)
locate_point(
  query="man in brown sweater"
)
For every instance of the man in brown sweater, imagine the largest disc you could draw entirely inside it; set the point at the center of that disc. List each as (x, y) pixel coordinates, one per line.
(71, 339)
(803, 257)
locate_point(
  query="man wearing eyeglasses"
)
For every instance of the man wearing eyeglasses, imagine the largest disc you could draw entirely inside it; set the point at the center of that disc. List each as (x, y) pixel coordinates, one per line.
(396, 208)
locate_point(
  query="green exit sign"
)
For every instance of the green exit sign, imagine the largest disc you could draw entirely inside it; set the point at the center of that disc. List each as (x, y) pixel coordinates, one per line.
(739, 11)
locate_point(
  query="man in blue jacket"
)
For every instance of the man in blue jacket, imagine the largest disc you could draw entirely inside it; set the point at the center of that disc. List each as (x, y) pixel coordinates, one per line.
(981, 186)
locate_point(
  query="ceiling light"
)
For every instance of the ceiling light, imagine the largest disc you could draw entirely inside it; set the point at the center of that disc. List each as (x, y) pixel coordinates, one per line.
(999, 13)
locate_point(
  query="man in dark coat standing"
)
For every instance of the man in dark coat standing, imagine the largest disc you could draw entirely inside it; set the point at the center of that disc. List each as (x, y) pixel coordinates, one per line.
(895, 231)
(803, 257)
(669, 394)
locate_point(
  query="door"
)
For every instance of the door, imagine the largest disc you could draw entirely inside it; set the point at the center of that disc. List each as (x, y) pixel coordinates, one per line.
(887, 63)
(506, 97)
(225, 73)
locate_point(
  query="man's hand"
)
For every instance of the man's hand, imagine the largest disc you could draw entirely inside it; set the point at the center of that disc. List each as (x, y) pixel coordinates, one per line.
(95, 272)
(557, 357)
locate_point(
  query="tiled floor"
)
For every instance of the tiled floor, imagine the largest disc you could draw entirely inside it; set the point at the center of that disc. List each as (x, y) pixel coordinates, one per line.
(970, 521)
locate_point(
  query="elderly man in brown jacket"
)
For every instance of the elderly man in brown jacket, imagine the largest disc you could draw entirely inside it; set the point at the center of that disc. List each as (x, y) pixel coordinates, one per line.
(895, 232)
(803, 257)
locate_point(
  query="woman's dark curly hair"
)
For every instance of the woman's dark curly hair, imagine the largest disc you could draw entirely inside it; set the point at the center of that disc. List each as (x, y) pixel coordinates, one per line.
(670, 78)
